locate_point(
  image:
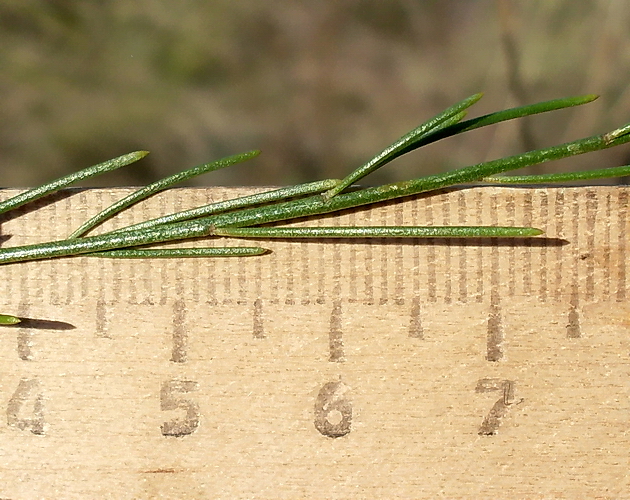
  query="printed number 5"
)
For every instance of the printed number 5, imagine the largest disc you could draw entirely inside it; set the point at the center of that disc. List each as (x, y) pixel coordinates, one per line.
(169, 401)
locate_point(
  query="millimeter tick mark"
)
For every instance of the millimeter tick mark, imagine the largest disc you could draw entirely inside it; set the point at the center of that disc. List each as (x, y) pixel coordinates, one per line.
(335, 337)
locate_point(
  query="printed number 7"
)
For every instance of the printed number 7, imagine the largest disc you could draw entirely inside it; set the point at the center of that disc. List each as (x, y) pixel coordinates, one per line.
(490, 424)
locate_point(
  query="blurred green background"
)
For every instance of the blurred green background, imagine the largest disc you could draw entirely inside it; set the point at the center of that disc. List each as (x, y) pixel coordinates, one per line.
(318, 86)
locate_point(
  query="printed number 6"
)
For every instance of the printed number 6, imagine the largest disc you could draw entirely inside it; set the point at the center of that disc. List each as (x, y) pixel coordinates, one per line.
(333, 410)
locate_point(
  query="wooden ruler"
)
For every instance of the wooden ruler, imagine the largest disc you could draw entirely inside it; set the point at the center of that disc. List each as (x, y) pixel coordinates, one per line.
(332, 369)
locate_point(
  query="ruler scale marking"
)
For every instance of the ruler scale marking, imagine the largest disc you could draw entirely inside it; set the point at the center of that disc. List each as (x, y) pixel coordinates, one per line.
(413, 289)
(606, 245)
(544, 275)
(179, 353)
(399, 272)
(25, 335)
(463, 251)
(431, 276)
(383, 251)
(258, 418)
(101, 324)
(210, 279)
(353, 265)
(446, 249)
(69, 289)
(510, 208)
(591, 208)
(527, 245)
(321, 272)
(290, 278)
(482, 252)
(621, 269)
(560, 229)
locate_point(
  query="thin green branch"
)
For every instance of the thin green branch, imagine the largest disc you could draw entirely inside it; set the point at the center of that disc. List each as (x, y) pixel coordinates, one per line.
(310, 206)
(444, 128)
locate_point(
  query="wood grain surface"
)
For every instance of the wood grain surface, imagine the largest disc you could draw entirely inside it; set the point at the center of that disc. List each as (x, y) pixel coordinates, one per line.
(331, 369)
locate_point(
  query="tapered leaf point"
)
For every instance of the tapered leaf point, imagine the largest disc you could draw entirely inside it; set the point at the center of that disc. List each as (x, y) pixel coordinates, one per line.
(252, 154)
(9, 320)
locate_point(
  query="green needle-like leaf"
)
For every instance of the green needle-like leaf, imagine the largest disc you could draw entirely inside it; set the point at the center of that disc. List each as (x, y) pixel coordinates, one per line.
(158, 186)
(316, 205)
(237, 203)
(584, 175)
(498, 117)
(56, 185)
(180, 253)
(448, 117)
(378, 232)
(278, 207)
(90, 244)
(312, 205)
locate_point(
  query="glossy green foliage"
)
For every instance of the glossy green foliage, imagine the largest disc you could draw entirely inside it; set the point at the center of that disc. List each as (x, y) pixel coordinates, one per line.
(241, 217)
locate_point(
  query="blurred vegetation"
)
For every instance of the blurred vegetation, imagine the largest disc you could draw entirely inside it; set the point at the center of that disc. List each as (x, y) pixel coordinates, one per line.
(319, 86)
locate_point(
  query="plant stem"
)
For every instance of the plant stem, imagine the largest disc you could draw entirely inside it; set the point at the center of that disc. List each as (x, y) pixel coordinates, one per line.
(247, 215)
